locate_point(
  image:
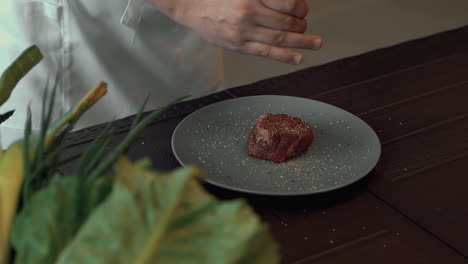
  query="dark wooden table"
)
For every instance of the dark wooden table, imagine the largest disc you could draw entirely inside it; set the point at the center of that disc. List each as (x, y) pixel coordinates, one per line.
(413, 208)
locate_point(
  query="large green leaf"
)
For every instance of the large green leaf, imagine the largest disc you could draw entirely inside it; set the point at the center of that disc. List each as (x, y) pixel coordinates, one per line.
(150, 218)
(17, 70)
(53, 216)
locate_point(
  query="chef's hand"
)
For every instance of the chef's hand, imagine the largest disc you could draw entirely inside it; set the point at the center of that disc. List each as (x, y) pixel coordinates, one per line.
(266, 28)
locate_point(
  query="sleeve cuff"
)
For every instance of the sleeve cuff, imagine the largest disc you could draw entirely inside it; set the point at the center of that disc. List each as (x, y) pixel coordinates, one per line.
(133, 13)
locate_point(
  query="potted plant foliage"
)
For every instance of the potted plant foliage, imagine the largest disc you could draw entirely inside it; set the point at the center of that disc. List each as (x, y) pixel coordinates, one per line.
(110, 209)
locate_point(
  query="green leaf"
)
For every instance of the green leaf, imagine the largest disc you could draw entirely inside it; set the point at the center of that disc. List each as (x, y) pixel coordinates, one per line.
(95, 152)
(26, 156)
(11, 171)
(4, 117)
(136, 130)
(76, 112)
(53, 216)
(17, 70)
(149, 218)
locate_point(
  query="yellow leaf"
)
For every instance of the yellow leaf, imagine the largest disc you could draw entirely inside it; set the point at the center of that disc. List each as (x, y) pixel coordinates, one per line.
(11, 178)
(89, 100)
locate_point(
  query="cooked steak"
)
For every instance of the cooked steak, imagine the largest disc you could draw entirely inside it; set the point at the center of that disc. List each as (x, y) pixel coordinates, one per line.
(279, 137)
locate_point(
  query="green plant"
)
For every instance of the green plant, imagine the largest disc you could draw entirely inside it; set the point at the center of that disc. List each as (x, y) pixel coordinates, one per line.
(134, 215)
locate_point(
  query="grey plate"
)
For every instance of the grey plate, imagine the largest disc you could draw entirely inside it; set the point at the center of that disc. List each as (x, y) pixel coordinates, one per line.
(345, 148)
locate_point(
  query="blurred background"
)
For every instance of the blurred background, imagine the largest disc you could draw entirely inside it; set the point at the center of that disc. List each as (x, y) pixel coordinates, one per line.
(354, 27)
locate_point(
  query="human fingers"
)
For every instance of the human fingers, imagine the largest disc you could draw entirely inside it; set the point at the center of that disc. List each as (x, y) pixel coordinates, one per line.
(298, 8)
(272, 52)
(284, 39)
(276, 20)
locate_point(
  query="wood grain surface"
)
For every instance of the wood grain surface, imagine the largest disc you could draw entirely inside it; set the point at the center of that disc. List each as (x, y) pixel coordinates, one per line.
(412, 208)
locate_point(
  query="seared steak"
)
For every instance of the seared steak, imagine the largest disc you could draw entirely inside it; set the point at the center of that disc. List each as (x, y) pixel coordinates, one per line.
(279, 137)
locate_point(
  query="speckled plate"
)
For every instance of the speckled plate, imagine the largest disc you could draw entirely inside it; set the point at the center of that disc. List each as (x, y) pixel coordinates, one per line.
(345, 148)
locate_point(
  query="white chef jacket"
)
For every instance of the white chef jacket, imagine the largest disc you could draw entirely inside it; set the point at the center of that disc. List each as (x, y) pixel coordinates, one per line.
(129, 44)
